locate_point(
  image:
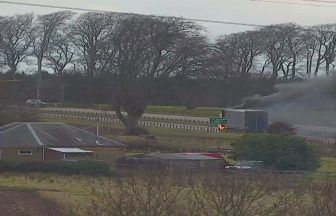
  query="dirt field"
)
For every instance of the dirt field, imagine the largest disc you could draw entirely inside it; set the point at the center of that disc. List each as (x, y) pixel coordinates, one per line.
(16, 202)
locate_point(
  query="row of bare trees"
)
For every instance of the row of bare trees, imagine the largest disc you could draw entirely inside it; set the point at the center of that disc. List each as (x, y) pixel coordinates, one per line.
(286, 51)
(93, 42)
(234, 194)
(139, 52)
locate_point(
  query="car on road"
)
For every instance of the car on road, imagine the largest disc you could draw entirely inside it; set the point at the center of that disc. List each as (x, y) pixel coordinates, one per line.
(35, 102)
(247, 165)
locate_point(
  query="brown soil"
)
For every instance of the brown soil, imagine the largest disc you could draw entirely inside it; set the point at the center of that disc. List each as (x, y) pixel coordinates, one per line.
(16, 202)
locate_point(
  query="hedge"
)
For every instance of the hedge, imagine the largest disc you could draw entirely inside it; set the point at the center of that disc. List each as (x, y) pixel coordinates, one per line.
(92, 168)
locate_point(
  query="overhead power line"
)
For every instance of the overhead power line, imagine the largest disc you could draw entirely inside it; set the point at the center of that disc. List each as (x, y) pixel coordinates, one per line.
(321, 1)
(106, 11)
(52, 6)
(296, 3)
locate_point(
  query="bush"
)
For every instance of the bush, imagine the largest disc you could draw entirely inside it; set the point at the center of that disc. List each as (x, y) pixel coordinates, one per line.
(17, 115)
(94, 168)
(281, 128)
(7, 117)
(277, 152)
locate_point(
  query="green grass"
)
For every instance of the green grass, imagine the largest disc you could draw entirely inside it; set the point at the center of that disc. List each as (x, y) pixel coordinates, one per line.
(65, 190)
(328, 164)
(162, 139)
(169, 110)
(176, 110)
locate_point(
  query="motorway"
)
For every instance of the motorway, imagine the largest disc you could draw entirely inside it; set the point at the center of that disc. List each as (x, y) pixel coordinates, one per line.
(311, 131)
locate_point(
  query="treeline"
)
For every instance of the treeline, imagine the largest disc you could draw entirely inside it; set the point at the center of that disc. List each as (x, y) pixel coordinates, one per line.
(132, 61)
(78, 88)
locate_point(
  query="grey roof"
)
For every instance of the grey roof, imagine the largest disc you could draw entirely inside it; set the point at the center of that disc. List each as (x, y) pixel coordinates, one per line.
(244, 110)
(70, 150)
(182, 156)
(50, 134)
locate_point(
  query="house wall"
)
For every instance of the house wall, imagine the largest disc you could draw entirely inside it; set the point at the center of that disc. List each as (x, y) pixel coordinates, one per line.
(109, 154)
(11, 153)
(51, 155)
(80, 156)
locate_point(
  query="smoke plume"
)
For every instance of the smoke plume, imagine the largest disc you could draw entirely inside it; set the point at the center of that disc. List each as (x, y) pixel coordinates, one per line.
(313, 95)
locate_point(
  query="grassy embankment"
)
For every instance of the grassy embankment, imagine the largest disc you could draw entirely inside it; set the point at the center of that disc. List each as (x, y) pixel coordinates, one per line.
(169, 110)
(160, 139)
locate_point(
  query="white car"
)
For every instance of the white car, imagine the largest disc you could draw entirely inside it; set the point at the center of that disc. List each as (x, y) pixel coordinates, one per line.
(247, 165)
(35, 102)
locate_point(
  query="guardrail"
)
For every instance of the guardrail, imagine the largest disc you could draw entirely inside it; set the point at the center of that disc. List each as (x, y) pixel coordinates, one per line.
(112, 118)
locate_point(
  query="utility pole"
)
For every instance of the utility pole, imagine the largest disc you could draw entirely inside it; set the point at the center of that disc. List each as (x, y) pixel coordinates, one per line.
(97, 131)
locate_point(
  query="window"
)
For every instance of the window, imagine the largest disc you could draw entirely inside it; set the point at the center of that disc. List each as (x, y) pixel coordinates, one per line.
(25, 152)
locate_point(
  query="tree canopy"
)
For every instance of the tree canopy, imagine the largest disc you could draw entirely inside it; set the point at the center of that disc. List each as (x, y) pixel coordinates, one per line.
(277, 152)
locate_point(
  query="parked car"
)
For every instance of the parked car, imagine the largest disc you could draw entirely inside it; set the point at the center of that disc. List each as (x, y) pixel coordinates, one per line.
(247, 165)
(35, 102)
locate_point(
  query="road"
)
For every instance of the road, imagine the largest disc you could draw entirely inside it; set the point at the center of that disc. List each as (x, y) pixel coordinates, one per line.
(320, 132)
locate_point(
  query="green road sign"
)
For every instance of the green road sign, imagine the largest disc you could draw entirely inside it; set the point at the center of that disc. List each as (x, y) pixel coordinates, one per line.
(218, 121)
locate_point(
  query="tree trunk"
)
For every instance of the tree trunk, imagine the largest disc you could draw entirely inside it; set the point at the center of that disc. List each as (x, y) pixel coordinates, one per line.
(62, 90)
(130, 121)
(327, 68)
(12, 70)
(39, 77)
(294, 69)
(274, 75)
(309, 65)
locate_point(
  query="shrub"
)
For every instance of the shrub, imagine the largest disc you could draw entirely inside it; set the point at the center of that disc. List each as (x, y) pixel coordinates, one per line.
(277, 152)
(17, 115)
(281, 128)
(7, 117)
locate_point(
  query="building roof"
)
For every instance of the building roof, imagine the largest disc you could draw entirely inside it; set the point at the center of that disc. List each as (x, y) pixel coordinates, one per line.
(50, 134)
(70, 150)
(244, 110)
(182, 156)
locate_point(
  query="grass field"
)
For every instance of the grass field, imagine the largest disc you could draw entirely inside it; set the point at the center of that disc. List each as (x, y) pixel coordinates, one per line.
(328, 164)
(169, 110)
(67, 192)
(161, 139)
(73, 193)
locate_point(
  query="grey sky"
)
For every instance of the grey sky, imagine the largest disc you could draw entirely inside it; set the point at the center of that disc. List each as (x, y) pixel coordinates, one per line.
(226, 10)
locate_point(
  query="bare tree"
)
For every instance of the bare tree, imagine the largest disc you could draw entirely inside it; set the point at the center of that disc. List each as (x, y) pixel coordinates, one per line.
(45, 28)
(310, 47)
(59, 56)
(150, 49)
(274, 38)
(325, 49)
(329, 46)
(238, 52)
(14, 40)
(294, 46)
(91, 33)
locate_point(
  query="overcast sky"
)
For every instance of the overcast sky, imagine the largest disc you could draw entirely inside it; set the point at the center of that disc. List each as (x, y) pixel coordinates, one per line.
(245, 11)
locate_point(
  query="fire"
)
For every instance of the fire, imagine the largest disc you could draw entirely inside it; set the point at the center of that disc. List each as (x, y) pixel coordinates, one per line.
(222, 127)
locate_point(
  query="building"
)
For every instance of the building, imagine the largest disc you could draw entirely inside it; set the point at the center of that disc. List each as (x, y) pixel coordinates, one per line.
(46, 141)
(182, 161)
(247, 120)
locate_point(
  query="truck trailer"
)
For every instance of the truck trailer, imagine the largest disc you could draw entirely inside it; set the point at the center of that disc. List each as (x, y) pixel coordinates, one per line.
(247, 120)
